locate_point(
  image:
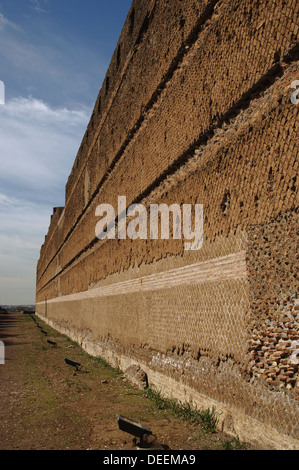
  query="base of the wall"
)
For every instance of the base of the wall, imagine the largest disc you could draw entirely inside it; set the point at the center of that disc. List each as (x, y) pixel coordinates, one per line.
(231, 421)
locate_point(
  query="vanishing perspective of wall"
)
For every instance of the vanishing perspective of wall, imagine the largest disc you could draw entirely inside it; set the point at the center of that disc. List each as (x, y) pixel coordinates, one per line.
(195, 109)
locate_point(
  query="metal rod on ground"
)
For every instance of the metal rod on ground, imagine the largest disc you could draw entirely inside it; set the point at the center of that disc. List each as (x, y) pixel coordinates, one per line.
(135, 429)
(77, 365)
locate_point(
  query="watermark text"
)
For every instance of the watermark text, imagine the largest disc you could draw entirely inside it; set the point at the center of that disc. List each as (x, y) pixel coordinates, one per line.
(294, 95)
(136, 223)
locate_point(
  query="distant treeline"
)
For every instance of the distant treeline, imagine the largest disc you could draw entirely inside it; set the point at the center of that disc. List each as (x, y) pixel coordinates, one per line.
(17, 308)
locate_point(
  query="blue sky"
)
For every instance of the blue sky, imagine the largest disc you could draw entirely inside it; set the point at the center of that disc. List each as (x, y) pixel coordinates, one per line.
(54, 55)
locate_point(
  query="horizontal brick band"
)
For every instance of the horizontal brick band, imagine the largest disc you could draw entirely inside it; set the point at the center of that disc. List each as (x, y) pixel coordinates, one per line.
(218, 269)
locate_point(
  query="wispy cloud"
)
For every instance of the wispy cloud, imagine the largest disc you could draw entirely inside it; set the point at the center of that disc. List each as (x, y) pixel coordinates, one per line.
(38, 144)
(5, 23)
(36, 5)
(48, 65)
(21, 235)
(48, 73)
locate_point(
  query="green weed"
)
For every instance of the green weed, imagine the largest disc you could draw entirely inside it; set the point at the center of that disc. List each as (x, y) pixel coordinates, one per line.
(206, 419)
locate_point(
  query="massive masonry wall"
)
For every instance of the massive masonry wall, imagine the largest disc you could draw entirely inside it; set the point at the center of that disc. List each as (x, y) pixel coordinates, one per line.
(195, 109)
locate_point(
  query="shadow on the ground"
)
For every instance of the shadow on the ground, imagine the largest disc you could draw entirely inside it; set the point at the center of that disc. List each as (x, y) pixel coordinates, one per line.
(7, 322)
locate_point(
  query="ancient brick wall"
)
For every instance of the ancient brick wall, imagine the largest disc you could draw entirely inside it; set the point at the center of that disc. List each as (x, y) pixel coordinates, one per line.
(195, 109)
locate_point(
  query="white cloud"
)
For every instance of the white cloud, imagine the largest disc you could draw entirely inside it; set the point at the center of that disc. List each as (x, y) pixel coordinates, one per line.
(38, 141)
(38, 144)
(5, 23)
(39, 109)
(23, 226)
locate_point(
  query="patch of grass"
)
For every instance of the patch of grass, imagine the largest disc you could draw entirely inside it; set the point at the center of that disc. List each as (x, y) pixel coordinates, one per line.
(102, 362)
(69, 382)
(209, 420)
(206, 419)
(235, 444)
(79, 386)
(29, 358)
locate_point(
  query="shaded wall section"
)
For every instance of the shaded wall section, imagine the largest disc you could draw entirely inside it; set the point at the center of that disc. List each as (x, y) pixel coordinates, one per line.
(195, 109)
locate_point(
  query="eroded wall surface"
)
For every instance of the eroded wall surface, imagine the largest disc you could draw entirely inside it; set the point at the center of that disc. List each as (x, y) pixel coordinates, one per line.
(195, 109)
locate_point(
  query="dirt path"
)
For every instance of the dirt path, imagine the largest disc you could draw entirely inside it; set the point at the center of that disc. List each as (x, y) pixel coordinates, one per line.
(46, 404)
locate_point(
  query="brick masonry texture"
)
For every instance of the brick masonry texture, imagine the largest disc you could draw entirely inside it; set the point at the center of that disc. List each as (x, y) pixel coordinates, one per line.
(195, 108)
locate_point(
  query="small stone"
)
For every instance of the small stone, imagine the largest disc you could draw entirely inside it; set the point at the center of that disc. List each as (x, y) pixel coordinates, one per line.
(137, 376)
(284, 361)
(282, 378)
(283, 343)
(289, 373)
